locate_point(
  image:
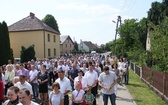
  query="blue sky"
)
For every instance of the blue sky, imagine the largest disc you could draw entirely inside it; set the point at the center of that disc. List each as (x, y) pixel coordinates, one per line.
(89, 20)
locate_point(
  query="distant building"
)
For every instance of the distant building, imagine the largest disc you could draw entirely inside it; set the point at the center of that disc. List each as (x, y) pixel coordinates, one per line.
(66, 44)
(87, 46)
(31, 30)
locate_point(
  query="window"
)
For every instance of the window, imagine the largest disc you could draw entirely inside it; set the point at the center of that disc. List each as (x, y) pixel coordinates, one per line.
(48, 37)
(49, 52)
(65, 45)
(54, 38)
(70, 45)
(54, 52)
(68, 40)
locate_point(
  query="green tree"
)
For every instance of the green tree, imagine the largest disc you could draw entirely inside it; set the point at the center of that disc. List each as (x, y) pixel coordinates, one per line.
(159, 43)
(27, 54)
(76, 46)
(50, 21)
(109, 46)
(5, 50)
(156, 13)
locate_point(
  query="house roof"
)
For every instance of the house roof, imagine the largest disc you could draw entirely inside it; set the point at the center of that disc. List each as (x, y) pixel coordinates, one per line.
(90, 45)
(63, 38)
(30, 23)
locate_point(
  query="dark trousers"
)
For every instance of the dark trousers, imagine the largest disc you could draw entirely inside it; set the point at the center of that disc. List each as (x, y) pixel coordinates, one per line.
(66, 100)
(50, 77)
(112, 98)
(94, 92)
(35, 89)
(126, 78)
(77, 104)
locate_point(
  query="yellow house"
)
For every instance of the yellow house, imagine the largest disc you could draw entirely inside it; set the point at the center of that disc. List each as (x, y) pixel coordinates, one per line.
(66, 44)
(32, 31)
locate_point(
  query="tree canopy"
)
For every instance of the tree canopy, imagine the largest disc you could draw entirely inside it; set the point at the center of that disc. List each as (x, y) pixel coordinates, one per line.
(27, 54)
(51, 21)
(5, 50)
(133, 37)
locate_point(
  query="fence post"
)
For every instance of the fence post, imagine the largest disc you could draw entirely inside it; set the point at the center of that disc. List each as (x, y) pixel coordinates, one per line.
(134, 67)
(164, 84)
(141, 72)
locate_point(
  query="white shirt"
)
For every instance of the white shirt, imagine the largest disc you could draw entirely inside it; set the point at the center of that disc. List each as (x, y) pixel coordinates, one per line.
(25, 85)
(107, 80)
(32, 103)
(66, 67)
(39, 67)
(64, 84)
(78, 95)
(61, 67)
(83, 80)
(91, 77)
(33, 74)
(47, 65)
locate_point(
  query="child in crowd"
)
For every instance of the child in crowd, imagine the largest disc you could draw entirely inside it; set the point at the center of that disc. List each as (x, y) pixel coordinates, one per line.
(77, 95)
(89, 97)
(12, 94)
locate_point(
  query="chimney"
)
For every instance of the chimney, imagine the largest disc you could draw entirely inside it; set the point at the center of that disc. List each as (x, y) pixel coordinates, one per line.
(32, 15)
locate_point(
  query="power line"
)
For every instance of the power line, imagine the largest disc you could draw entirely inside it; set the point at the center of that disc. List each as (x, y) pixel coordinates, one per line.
(123, 5)
(124, 8)
(130, 7)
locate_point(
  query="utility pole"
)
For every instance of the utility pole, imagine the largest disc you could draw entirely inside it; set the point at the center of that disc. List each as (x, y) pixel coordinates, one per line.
(114, 52)
(118, 23)
(121, 35)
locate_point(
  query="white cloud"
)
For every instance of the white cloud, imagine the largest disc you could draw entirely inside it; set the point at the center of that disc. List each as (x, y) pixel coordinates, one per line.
(100, 9)
(73, 21)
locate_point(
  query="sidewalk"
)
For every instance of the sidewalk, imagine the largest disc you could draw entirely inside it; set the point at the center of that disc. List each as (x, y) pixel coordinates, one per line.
(123, 97)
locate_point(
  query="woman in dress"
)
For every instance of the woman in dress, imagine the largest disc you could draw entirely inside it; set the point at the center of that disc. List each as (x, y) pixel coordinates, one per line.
(55, 96)
(12, 95)
(43, 86)
(116, 71)
(9, 76)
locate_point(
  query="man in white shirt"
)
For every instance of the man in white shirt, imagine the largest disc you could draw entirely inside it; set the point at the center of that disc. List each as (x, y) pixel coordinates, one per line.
(92, 79)
(61, 66)
(65, 85)
(23, 83)
(25, 97)
(107, 81)
(67, 69)
(33, 81)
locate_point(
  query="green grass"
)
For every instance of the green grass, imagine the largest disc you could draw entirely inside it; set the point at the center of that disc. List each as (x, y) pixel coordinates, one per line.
(141, 92)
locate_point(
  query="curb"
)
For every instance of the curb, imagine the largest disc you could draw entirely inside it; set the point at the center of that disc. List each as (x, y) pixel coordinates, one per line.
(130, 95)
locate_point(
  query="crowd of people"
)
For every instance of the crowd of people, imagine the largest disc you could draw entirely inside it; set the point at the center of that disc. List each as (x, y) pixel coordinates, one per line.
(79, 76)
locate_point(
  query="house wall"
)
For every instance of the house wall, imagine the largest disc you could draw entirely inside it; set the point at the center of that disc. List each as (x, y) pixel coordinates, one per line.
(28, 38)
(52, 45)
(67, 46)
(82, 46)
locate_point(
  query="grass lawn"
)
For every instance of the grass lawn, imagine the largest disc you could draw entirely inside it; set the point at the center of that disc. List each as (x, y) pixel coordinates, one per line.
(141, 93)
